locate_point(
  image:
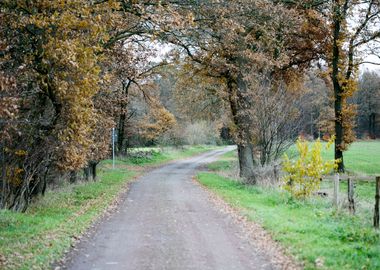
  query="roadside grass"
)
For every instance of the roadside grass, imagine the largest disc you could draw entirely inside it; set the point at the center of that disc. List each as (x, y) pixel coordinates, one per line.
(362, 157)
(34, 239)
(225, 162)
(309, 229)
(37, 238)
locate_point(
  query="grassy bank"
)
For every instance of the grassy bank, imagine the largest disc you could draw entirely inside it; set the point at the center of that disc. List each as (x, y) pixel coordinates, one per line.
(35, 239)
(311, 230)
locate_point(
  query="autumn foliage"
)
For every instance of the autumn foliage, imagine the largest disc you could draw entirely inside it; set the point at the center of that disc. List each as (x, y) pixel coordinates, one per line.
(55, 48)
(69, 71)
(304, 175)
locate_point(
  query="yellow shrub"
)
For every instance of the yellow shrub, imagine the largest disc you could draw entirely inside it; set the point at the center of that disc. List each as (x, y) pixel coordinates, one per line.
(303, 175)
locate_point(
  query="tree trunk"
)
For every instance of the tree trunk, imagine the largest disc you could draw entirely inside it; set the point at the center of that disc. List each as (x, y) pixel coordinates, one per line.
(41, 183)
(122, 118)
(371, 127)
(3, 193)
(338, 91)
(93, 165)
(246, 161)
(238, 104)
(120, 133)
(73, 177)
(86, 173)
(44, 186)
(338, 133)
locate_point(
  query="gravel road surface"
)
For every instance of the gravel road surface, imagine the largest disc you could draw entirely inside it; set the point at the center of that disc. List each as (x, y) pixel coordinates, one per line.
(166, 221)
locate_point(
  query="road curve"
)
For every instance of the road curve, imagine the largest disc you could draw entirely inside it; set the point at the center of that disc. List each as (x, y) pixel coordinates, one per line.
(166, 221)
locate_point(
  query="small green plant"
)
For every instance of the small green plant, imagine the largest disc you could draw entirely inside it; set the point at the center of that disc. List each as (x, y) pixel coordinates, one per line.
(303, 175)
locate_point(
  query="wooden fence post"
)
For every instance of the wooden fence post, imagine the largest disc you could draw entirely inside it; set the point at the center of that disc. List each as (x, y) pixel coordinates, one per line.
(336, 190)
(377, 197)
(351, 202)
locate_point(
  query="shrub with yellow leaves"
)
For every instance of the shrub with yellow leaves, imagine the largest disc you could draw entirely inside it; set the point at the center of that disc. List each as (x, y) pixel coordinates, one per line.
(303, 175)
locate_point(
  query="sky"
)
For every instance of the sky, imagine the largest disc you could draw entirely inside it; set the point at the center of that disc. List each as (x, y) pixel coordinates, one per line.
(370, 67)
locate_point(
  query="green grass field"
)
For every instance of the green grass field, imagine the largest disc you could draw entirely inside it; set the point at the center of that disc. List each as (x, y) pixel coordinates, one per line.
(310, 229)
(362, 157)
(35, 239)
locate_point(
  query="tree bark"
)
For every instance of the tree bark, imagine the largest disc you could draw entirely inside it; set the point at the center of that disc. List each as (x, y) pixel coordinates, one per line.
(40, 185)
(238, 104)
(3, 193)
(246, 161)
(120, 134)
(93, 165)
(371, 128)
(86, 173)
(338, 91)
(73, 177)
(122, 118)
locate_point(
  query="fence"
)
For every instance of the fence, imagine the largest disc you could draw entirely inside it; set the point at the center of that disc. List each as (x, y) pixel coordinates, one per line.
(355, 200)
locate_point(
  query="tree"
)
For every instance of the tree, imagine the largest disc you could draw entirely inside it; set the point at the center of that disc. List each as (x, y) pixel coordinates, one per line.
(368, 101)
(353, 33)
(158, 121)
(353, 26)
(317, 105)
(131, 68)
(275, 117)
(55, 48)
(58, 52)
(226, 39)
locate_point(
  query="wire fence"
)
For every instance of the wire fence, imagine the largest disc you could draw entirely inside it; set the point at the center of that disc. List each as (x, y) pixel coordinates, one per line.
(359, 195)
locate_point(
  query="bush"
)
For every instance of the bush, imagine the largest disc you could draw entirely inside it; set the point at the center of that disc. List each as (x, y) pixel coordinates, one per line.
(197, 133)
(201, 132)
(173, 137)
(140, 157)
(303, 175)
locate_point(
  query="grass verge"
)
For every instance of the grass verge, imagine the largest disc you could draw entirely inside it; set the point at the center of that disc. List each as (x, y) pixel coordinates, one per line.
(311, 230)
(35, 239)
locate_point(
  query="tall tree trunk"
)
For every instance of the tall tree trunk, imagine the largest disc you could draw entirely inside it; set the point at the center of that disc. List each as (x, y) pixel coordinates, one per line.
(371, 127)
(245, 148)
(122, 118)
(338, 91)
(120, 134)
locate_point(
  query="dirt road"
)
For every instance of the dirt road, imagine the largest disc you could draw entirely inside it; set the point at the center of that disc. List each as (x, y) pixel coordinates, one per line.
(167, 222)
